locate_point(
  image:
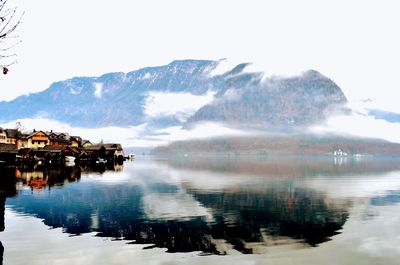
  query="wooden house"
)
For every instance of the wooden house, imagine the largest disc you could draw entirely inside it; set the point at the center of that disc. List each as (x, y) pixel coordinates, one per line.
(59, 139)
(111, 152)
(49, 153)
(26, 155)
(97, 150)
(115, 151)
(35, 140)
(71, 151)
(86, 143)
(75, 141)
(13, 135)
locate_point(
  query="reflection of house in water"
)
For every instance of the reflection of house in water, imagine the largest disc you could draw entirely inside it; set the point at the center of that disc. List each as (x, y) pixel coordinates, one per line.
(41, 177)
(340, 160)
(47, 177)
(36, 179)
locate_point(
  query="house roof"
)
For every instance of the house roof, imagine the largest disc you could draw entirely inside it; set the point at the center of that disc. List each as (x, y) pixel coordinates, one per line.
(12, 133)
(52, 148)
(35, 132)
(73, 149)
(113, 146)
(108, 147)
(59, 140)
(9, 148)
(76, 138)
(58, 135)
(94, 147)
(24, 151)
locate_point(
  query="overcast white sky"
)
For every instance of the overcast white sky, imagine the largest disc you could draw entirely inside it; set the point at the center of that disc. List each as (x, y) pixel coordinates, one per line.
(356, 43)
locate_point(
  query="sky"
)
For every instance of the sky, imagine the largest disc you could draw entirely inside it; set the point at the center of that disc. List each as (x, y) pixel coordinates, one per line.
(355, 43)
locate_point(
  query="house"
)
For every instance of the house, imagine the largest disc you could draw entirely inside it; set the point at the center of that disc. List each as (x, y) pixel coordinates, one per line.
(3, 136)
(13, 136)
(111, 152)
(49, 153)
(41, 146)
(57, 153)
(115, 151)
(86, 143)
(71, 151)
(59, 139)
(75, 141)
(96, 150)
(35, 140)
(26, 155)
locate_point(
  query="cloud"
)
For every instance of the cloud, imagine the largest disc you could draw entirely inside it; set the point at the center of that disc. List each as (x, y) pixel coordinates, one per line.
(180, 105)
(199, 131)
(359, 124)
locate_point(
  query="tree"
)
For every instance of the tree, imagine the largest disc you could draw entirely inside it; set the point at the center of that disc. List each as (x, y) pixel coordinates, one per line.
(9, 21)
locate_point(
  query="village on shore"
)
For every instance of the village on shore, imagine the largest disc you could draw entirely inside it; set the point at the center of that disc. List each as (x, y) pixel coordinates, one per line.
(43, 147)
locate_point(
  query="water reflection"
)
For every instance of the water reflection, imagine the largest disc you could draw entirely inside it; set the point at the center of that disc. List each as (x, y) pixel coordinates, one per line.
(389, 199)
(291, 166)
(170, 205)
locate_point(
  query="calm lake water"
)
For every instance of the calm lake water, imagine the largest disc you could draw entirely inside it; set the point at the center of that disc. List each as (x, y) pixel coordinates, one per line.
(260, 210)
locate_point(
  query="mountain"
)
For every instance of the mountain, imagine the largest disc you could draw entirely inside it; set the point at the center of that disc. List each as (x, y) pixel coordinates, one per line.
(282, 144)
(240, 98)
(111, 99)
(276, 103)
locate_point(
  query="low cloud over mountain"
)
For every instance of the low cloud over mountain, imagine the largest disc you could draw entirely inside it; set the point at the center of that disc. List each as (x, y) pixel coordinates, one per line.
(177, 101)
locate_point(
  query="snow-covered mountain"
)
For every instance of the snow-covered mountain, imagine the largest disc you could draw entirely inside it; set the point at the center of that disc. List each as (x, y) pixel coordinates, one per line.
(182, 93)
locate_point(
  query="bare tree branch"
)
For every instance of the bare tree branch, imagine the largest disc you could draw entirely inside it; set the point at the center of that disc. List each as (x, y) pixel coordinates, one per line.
(9, 21)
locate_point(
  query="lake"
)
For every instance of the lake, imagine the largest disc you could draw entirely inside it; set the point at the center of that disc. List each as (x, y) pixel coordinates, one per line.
(220, 210)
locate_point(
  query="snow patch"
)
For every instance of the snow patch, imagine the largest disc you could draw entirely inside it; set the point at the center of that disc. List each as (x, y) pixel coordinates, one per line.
(75, 90)
(98, 90)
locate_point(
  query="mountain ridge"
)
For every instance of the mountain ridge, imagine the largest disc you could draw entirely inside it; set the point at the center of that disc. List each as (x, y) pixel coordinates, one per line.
(240, 97)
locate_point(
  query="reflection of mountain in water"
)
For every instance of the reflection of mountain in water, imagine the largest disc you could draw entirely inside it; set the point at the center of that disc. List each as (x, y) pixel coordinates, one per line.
(238, 219)
(299, 214)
